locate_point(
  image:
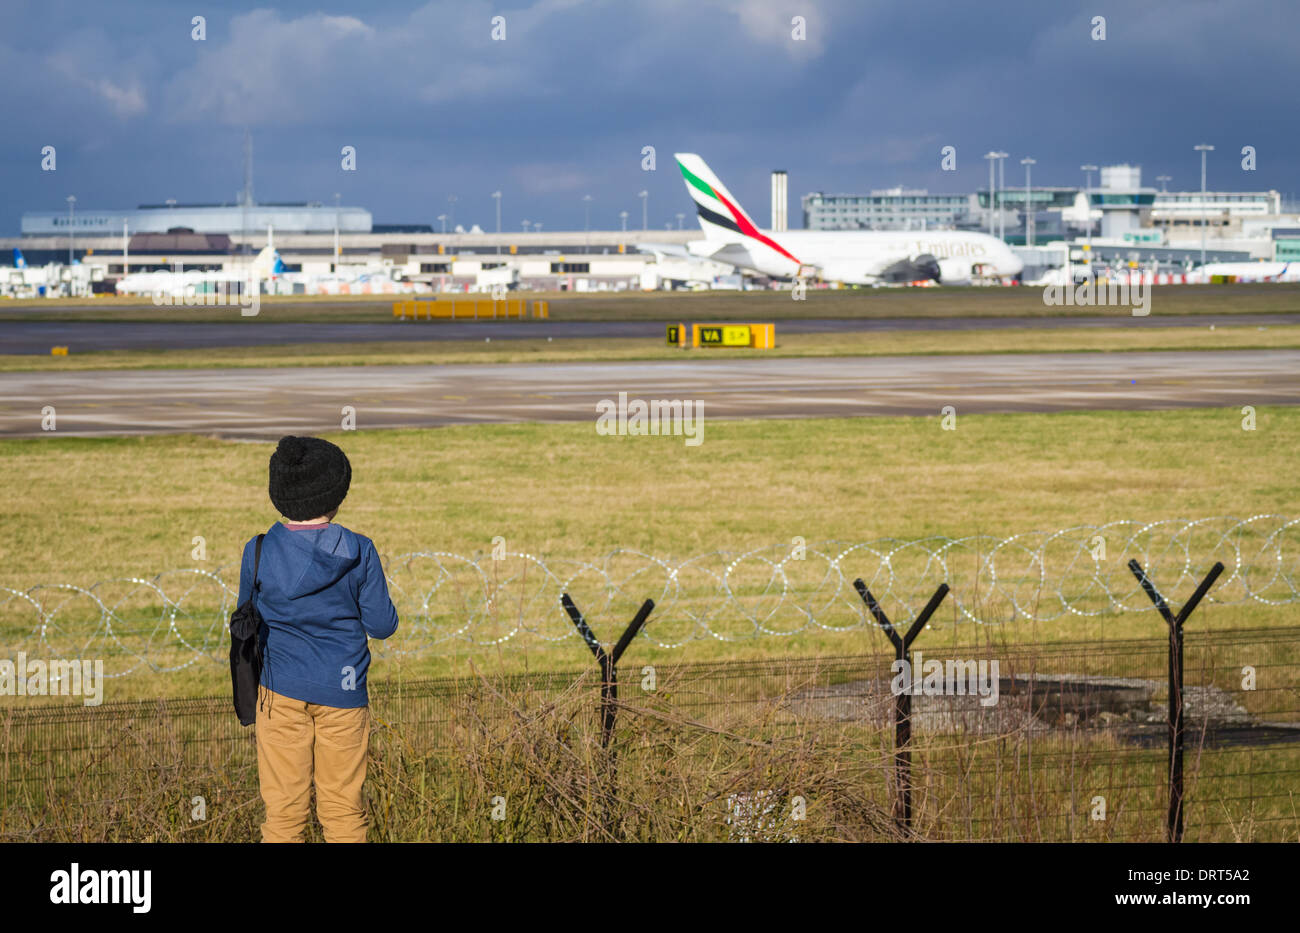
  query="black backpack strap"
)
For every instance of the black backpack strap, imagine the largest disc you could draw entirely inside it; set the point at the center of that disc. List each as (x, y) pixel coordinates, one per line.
(257, 562)
(256, 587)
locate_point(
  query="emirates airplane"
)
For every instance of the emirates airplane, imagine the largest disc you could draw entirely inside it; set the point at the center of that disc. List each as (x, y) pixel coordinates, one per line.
(951, 257)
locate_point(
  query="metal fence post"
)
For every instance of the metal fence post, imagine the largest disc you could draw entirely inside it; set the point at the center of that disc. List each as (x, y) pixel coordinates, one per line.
(608, 660)
(1174, 821)
(903, 701)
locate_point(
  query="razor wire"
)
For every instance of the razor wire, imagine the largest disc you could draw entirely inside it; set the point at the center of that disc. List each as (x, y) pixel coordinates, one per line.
(179, 618)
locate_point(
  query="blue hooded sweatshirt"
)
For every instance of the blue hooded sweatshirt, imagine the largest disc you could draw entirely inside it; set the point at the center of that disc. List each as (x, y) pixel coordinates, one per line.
(322, 592)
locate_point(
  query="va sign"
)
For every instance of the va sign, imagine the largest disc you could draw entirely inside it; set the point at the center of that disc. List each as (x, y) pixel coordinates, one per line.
(725, 335)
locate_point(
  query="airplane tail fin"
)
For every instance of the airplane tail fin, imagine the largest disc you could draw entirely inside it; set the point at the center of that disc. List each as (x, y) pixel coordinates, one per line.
(19, 261)
(267, 263)
(721, 216)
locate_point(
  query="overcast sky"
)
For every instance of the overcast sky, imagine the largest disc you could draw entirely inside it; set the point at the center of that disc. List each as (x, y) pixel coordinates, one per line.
(140, 112)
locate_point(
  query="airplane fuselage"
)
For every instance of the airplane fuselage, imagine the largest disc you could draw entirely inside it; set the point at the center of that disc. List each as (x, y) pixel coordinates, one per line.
(865, 257)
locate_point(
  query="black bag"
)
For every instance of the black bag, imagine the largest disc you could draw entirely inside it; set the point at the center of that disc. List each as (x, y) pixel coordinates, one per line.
(246, 649)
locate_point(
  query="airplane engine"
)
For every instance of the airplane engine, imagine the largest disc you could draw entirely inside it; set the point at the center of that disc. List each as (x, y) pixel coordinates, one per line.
(955, 271)
(916, 269)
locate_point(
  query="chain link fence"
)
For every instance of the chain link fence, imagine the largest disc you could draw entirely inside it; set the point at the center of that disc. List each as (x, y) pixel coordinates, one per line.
(1073, 748)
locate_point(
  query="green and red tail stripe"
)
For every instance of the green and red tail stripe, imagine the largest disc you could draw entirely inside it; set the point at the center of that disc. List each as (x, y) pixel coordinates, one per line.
(737, 221)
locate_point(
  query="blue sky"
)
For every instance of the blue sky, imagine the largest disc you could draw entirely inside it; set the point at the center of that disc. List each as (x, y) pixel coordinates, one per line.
(140, 112)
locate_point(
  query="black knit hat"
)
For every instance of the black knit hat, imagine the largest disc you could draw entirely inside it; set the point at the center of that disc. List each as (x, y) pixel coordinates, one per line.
(309, 477)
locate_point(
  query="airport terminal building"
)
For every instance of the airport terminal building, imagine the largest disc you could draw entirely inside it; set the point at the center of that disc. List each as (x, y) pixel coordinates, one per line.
(306, 217)
(1124, 218)
(885, 209)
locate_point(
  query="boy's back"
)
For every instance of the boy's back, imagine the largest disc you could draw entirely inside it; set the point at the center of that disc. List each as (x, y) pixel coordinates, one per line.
(322, 593)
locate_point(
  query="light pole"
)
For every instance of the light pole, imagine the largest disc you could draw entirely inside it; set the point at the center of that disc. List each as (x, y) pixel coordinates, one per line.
(622, 215)
(680, 218)
(586, 222)
(537, 226)
(451, 211)
(1029, 206)
(526, 226)
(1203, 148)
(1002, 186)
(497, 197)
(645, 200)
(337, 251)
(72, 230)
(1164, 182)
(442, 218)
(1087, 200)
(991, 155)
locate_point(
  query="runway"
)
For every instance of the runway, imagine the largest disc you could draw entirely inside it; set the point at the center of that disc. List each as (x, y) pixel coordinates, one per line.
(261, 403)
(36, 337)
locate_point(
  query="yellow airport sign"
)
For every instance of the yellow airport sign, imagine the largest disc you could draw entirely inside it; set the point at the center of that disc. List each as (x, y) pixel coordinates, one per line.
(469, 307)
(757, 336)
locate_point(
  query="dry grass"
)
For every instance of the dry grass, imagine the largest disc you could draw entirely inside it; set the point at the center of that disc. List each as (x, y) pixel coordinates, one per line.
(712, 754)
(533, 755)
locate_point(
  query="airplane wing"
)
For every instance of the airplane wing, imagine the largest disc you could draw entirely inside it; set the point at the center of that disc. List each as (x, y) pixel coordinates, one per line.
(730, 254)
(733, 254)
(665, 249)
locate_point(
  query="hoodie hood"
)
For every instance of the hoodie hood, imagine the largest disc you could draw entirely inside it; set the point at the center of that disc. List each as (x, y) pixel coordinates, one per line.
(309, 561)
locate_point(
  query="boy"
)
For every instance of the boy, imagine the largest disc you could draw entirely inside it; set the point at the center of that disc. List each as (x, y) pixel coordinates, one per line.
(322, 591)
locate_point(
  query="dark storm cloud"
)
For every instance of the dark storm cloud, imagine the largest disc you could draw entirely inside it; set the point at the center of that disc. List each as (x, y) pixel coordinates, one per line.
(139, 112)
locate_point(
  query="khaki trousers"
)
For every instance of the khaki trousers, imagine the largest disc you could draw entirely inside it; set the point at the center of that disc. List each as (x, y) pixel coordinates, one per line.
(299, 741)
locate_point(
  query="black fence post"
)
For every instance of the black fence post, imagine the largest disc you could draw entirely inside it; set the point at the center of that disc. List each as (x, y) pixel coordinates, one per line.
(1174, 822)
(902, 702)
(608, 660)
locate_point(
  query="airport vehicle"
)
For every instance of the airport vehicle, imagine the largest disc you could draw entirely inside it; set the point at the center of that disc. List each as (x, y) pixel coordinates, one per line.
(851, 257)
(25, 281)
(52, 280)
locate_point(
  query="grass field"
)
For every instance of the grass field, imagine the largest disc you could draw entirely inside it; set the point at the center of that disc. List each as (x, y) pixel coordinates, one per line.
(98, 509)
(541, 350)
(1256, 298)
(442, 753)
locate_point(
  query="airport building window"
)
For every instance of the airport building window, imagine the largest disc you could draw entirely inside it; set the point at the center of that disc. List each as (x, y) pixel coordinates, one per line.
(562, 268)
(435, 267)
